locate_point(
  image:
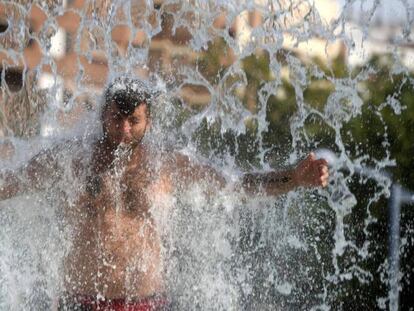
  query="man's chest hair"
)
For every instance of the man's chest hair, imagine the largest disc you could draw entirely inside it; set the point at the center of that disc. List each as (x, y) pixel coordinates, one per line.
(126, 191)
(130, 184)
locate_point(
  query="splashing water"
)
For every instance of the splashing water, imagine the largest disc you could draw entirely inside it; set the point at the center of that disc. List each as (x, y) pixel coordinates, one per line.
(247, 86)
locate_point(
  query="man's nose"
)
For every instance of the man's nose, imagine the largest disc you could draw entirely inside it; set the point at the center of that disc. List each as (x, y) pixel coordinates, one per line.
(126, 126)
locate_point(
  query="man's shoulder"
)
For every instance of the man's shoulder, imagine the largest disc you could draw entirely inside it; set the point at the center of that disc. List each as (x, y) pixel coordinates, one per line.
(68, 148)
(73, 151)
(167, 163)
(176, 159)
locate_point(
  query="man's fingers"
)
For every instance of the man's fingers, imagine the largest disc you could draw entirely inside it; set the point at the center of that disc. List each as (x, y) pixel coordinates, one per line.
(322, 162)
(323, 179)
(323, 169)
(315, 170)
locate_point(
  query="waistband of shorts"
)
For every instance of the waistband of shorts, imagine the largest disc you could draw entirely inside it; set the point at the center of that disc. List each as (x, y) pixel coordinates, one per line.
(92, 303)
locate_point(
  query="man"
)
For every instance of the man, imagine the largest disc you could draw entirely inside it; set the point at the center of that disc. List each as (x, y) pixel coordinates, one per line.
(115, 259)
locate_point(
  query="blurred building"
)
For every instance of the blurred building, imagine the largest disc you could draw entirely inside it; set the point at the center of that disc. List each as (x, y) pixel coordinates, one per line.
(77, 53)
(81, 52)
(365, 29)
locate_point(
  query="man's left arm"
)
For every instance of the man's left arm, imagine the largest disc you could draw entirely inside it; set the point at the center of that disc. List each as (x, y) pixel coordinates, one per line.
(186, 172)
(310, 172)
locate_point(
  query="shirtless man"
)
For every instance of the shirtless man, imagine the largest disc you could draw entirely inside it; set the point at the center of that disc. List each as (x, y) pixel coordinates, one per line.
(115, 260)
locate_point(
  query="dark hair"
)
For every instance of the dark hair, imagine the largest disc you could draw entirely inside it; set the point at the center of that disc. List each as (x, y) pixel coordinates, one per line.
(128, 93)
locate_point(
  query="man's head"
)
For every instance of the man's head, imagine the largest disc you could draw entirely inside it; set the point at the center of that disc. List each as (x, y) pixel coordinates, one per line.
(126, 110)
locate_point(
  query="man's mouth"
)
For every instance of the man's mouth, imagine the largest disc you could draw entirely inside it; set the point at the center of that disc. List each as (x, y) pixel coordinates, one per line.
(126, 139)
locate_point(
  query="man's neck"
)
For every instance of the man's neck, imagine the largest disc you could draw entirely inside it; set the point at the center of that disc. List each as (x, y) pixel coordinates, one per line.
(105, 152)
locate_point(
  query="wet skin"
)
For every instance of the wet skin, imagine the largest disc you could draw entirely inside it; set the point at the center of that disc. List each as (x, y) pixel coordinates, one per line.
(116, 249)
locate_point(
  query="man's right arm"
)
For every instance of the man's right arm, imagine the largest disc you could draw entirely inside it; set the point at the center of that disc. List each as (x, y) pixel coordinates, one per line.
(10, 185)
(31, 176)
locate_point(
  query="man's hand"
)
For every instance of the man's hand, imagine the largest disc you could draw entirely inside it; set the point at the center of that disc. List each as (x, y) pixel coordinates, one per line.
(311, 172)
(308, 173)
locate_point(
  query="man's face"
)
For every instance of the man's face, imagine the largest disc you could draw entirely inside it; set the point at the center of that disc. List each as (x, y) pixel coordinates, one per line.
(128, 129)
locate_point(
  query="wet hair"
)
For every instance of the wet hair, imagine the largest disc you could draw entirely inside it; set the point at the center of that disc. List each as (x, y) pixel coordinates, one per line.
(128, 93)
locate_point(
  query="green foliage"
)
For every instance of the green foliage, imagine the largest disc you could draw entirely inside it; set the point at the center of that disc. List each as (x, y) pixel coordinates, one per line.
(384, 129)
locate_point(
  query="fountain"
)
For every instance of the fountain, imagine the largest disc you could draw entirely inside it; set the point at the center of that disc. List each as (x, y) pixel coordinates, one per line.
(247, 86)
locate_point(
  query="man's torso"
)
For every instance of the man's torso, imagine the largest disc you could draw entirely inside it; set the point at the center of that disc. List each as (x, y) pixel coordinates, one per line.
(116, 247)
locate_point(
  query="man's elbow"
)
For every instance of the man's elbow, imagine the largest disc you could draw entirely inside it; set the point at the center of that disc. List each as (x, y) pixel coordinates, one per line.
(9, 187)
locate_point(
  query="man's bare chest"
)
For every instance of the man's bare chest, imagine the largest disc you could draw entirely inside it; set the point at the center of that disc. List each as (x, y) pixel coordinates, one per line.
(126, 190)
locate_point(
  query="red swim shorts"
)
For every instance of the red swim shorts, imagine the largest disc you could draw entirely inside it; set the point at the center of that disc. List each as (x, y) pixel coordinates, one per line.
(90, 303)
